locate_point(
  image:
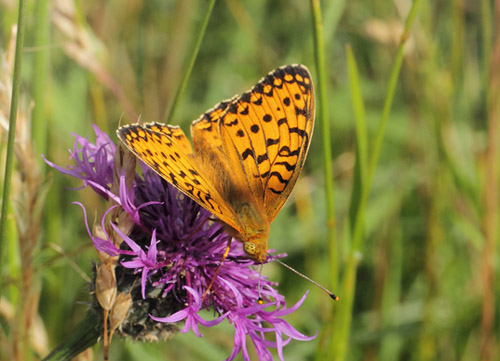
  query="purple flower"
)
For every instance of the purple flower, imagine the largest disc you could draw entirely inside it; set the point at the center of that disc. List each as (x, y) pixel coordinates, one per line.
(190, 315)
(104, 245)
(94, 162)
(173, 248)
(249, 321)
(146, 261)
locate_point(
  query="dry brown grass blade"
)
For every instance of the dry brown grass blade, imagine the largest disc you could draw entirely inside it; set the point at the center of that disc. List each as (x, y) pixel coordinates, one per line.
(28, 195)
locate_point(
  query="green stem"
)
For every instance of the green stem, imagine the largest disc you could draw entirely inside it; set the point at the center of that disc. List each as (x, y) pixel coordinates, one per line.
(12, 127)
(360, 168)
(319, 51)
(86, 335)
(343, 313)
(39, 124)
(189, 68)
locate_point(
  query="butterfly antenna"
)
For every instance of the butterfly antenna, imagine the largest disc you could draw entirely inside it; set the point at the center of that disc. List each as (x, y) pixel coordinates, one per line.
(332, 296)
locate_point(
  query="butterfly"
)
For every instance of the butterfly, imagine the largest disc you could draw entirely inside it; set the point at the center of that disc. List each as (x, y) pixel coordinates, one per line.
(247, 154)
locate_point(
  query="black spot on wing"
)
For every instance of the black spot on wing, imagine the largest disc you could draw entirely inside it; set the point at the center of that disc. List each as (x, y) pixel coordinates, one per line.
(270, 92)
(289, 167)
(247, 153)
(280, 178)
(246, 97)
(244, 111)
(282, 121)
(262, 158)
(299, 111)
(300, 132)
(264, 175)
(271, 141)
(285, 152)
(173, 180)
(258, 101)
(234, 122)
(233, 108)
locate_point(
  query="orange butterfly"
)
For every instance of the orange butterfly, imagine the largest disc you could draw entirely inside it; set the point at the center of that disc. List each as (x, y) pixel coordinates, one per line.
(248, 153)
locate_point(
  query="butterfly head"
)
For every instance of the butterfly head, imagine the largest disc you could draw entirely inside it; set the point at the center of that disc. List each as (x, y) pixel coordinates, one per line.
(256, 249)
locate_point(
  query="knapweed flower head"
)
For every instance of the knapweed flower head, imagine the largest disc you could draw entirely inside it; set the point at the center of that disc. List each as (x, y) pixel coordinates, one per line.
(167, 249)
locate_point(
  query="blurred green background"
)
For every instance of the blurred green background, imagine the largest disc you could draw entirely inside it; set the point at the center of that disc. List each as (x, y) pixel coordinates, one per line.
(426, 282)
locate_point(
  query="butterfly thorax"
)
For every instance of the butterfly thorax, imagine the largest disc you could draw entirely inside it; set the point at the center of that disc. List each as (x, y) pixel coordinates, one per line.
(254, 231)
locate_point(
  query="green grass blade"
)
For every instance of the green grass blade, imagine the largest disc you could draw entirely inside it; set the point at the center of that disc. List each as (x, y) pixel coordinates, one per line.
(84, 336)
(343, 313)
(12, 127)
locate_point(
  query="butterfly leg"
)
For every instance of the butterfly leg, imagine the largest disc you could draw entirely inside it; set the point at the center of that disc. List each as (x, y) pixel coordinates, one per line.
(197, 229)
(218, 268)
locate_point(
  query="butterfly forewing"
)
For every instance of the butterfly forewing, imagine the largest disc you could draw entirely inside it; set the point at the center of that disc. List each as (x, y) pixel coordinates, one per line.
(173, 132)
(206, 127)
(166, 150)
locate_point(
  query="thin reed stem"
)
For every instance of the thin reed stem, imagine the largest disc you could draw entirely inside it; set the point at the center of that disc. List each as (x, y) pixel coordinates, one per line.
(486, 33)
(491, 199)
(39, 131)
(187, 72)
(12, 127)
(319, 52)
(361, 136)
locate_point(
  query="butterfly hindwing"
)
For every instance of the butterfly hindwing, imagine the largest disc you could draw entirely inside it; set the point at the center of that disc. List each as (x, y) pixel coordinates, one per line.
(166, 150)
(266, 133)
(298, 125)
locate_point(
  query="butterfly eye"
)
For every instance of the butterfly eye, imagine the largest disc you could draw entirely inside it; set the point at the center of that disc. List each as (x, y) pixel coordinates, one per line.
(249, 248)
